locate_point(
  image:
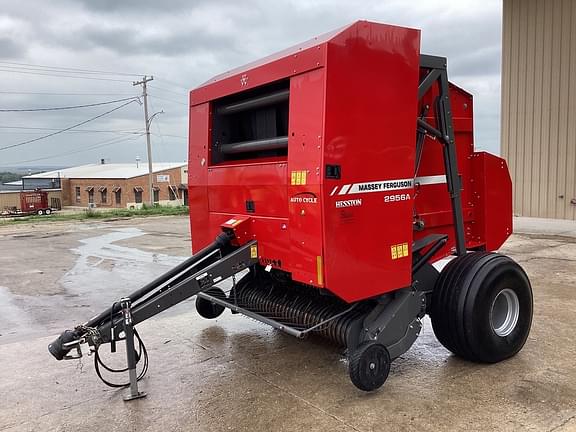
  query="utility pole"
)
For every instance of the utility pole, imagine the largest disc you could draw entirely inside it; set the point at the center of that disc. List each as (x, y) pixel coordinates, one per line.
(143, 82)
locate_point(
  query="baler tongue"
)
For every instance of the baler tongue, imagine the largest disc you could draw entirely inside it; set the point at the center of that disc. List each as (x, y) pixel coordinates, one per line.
(199, 273)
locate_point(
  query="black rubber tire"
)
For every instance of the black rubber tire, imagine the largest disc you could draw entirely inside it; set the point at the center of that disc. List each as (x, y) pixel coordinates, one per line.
(462, 304)
(207, 309)
(369, 366)
(47, 212)
(40, 212)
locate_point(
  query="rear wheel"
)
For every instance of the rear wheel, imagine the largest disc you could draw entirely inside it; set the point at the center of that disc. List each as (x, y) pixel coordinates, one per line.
(482, 307)
(40, 212)
(48, 211)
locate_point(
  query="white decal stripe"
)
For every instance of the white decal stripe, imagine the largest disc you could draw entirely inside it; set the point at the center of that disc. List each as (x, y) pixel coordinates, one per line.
(344, 189)
(334, 190)
(430, 180)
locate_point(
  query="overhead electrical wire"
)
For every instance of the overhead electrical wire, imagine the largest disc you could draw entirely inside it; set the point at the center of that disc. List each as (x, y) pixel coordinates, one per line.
(65, 94)
(127, 131)
(26, 128)
(67, 69)
(69, 107)
(172, 83)
(167, 100)
(168, 90)
(68, 128)
(64, 76)
(92, 147)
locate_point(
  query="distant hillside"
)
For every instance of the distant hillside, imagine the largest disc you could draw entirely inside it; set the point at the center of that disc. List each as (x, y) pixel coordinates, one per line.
(25, 170)
(7, 176)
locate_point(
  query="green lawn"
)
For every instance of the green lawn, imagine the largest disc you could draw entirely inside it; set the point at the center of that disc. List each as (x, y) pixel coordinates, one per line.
(100, 214)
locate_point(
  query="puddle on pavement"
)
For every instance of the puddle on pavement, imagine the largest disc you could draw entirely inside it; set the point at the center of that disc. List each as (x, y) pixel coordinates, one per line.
(105, 271)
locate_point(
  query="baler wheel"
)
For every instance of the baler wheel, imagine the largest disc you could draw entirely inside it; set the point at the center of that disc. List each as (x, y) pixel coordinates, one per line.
(206, 308)
(482, 307)
(369, 366)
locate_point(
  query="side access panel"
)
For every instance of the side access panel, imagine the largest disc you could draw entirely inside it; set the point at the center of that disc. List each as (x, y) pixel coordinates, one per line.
(371, 107)
(492, 195)
(304, 182)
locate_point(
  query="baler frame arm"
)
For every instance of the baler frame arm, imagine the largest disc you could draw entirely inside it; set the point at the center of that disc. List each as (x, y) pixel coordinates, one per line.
(444, 131)
(220, 260)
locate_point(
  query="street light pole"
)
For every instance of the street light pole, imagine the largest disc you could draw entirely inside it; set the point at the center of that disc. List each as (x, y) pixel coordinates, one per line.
(143, 82)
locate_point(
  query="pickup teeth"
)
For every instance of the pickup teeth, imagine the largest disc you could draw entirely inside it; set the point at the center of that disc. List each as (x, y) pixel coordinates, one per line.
(298, 307)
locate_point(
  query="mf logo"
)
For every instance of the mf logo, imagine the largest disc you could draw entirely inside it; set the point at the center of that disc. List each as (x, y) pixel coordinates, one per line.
(244, 80)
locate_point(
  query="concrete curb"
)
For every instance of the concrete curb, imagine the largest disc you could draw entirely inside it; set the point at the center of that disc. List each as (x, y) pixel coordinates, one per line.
(553, 227)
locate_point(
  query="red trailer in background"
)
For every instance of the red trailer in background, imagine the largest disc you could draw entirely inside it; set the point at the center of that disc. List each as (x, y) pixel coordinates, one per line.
(31, 203)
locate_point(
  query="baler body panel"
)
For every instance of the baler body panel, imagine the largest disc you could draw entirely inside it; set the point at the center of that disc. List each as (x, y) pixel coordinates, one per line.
(335, 207)
(371, 104)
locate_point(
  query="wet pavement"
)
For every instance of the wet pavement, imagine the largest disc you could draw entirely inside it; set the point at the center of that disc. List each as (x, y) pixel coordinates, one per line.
(235, 374)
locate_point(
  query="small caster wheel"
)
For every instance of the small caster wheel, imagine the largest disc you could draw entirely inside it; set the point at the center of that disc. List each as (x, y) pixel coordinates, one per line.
(206, 308)
(369, 366)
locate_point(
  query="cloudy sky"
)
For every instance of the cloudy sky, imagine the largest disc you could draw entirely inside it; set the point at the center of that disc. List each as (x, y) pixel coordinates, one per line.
(182, 43)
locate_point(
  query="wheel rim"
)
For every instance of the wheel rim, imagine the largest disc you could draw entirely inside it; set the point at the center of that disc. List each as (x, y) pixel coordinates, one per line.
(504, 312)
(374, 366)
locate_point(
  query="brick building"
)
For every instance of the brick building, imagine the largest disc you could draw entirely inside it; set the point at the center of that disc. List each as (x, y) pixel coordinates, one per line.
(115, 185)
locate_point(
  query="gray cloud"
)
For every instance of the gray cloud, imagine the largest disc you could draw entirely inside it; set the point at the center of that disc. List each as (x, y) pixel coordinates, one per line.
(10, 49)
(186, 42)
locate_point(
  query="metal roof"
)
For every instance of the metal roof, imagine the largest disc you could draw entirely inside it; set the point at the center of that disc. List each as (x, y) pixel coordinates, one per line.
(107, 171)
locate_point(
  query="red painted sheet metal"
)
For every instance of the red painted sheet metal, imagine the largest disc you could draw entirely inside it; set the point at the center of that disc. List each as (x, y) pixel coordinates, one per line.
(352, 104)
(371, 103)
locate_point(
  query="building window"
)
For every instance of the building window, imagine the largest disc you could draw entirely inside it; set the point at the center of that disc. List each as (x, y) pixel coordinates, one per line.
(77, 194)
(118, 196)
(138, 194)
(156, 192)
(171, 193)
(104, 196)
(91, 196)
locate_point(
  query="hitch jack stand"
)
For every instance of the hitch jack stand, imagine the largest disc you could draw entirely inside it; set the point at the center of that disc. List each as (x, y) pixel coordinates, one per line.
(125, 303)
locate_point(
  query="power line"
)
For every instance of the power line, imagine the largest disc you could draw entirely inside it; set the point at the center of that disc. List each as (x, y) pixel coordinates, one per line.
(168, 90)
(68, 107)
(133, 132)
(167, 100)
(74, 130)
(93, 147)
(175, 84)
(64, 76)
(66, 129)
(64, 94)
(66, 69)
(173, 136)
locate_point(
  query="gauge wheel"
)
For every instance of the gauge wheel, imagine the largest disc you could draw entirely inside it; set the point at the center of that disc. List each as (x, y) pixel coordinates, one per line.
(206, 308)
(369, 366)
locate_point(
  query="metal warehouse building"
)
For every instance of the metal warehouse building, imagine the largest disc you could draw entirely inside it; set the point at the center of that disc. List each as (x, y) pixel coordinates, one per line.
(539, 105)
(114, 185)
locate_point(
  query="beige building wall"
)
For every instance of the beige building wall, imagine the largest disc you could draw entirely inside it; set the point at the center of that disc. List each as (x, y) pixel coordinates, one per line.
(539, 105)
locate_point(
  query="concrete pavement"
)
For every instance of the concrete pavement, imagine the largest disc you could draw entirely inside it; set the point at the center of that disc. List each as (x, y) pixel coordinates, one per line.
(236, 374)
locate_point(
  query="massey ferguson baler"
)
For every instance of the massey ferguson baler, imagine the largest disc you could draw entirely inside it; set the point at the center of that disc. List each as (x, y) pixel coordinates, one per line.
(330, 178)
